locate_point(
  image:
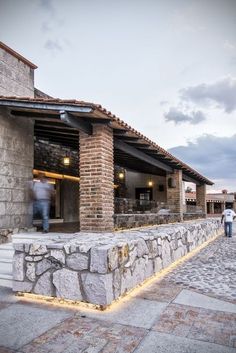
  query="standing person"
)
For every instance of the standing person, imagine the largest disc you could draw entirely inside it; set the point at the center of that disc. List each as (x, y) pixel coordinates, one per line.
(42, 193)
(228, 216)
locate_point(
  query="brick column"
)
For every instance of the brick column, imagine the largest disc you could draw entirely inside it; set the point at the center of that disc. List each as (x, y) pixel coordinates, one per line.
(96, 180)
(201, 197)
(175, 192)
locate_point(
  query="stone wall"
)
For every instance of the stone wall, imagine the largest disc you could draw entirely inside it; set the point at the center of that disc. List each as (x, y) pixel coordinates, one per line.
(124, 221)
(99, 269)
(16, 161)
(16, 77)
(49, 157)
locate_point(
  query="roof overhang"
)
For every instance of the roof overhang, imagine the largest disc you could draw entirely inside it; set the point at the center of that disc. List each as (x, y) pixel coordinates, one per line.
(61, 120)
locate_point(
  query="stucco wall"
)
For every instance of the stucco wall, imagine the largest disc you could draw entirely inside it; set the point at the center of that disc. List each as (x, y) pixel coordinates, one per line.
(16, 78)
(16, 161)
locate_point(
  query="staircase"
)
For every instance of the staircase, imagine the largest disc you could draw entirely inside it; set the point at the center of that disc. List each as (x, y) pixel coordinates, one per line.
(6, 256)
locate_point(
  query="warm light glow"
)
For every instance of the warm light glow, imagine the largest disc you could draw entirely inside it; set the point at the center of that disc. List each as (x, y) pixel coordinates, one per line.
(121, 175)
(114, 306)
(66, 160)
(55, 175)
(150, 183)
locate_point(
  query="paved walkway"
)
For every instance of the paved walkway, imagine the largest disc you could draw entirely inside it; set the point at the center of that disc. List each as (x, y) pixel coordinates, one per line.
(190, 310)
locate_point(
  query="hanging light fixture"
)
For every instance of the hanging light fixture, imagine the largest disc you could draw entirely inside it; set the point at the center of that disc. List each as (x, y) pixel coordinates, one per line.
(66, 160)
(150, 182)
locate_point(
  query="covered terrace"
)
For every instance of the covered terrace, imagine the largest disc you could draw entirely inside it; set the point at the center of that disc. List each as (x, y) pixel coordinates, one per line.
(107, 148)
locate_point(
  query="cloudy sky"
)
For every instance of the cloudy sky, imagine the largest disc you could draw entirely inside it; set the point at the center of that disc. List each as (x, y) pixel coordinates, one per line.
(166, 67)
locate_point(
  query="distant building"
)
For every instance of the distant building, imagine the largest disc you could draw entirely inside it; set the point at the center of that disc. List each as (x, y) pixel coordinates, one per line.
(216, 202)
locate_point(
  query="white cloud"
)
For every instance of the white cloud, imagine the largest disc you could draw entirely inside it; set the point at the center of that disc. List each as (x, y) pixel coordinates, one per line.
(178, 117)
(53, 45)
(222, 92)
(212, 156)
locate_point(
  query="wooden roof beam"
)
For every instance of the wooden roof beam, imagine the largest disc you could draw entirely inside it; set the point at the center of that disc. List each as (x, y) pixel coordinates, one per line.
(140, 155)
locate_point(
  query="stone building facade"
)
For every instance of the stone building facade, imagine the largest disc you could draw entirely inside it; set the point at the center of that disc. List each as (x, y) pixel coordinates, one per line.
(16, 144)
(16, 74)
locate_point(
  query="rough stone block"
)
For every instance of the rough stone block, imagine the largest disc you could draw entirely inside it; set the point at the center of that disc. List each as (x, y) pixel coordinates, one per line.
(99, 259)
(142, 248)
(38, 249)
(98, 288)
(127, 281)
(42, 266)
(166, 254)
(116, 283)
(30, 271)
(112, 258)
(77, 261)
(58, 255)
(44, 285)
(67, 284)
(157, 264)
(33, 258)
(18, 267)
(123, 254)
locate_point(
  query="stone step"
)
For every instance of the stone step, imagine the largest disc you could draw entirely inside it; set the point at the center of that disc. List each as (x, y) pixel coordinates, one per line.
(6, 253)
(6, 280)
(5, 265)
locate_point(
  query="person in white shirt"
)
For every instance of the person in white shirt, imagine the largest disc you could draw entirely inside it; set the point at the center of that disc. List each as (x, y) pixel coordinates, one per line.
(228, 216)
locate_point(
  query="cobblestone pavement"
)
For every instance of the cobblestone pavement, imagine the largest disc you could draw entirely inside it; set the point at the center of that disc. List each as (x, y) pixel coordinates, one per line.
(191, 310)
(212, 271)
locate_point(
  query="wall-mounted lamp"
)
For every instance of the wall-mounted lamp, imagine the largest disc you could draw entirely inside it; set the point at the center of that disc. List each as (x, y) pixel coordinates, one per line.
(150, 183)
(66, 160)
(121, 175)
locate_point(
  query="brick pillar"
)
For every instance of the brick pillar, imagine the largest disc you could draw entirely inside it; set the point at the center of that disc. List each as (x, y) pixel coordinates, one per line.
(175, 192)
(201, 197)
(96, 180)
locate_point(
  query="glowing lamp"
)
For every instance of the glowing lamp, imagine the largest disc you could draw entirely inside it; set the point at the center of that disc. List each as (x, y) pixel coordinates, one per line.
(66, 160)
(121, 175)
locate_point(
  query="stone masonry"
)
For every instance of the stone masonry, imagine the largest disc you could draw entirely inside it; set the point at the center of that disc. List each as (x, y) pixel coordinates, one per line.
(100, 269)
(16, 76)
(96, 180)
(16, 160)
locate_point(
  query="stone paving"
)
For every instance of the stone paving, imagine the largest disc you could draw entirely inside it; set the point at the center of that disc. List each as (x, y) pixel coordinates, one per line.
(190, 310)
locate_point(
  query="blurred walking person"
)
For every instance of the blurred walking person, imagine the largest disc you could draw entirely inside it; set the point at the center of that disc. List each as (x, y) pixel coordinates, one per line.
(42, 193)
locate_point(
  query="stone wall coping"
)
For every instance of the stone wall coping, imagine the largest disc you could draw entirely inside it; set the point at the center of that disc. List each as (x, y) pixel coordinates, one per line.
(85, 241)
